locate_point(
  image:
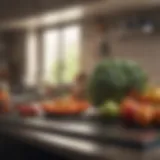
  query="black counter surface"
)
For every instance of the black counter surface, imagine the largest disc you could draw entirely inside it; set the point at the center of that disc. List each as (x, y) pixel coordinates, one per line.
(77, 138)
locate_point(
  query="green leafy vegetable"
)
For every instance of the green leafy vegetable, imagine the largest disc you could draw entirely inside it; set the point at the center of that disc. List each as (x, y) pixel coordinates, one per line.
(114, 78)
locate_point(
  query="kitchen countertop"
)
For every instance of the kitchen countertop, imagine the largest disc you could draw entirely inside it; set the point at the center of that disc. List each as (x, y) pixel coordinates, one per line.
(80, 138)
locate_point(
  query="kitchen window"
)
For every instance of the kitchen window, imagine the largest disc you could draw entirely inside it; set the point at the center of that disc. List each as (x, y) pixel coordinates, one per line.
(50, 56)
(61, 54)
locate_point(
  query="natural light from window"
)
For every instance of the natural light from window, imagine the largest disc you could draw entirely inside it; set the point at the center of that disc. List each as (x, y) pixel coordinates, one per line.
(71, 52)
(61, 54)
(31, 59)
(50, 56)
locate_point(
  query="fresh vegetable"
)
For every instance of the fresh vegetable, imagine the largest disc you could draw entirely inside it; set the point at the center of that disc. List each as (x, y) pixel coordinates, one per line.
(144, 115)
(113, 79)
(64, 106)
(110, 109)
(29, 109)
(155, 95)
(129, 108)
(47, 106)
(150, 95)
(145, 96)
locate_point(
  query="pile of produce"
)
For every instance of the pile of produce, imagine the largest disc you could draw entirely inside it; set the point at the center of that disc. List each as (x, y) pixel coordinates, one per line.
(65, 106)
(133, 110)
(119, 89)
(74, 103)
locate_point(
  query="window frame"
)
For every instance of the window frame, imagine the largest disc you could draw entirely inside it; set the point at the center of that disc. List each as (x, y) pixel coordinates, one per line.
(61, 53)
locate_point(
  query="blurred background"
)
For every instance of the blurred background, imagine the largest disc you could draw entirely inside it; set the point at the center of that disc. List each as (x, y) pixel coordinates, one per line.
(47, 43)
(48, 46)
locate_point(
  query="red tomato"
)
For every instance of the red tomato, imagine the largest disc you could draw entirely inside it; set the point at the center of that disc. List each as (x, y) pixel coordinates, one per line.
(128, 109)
